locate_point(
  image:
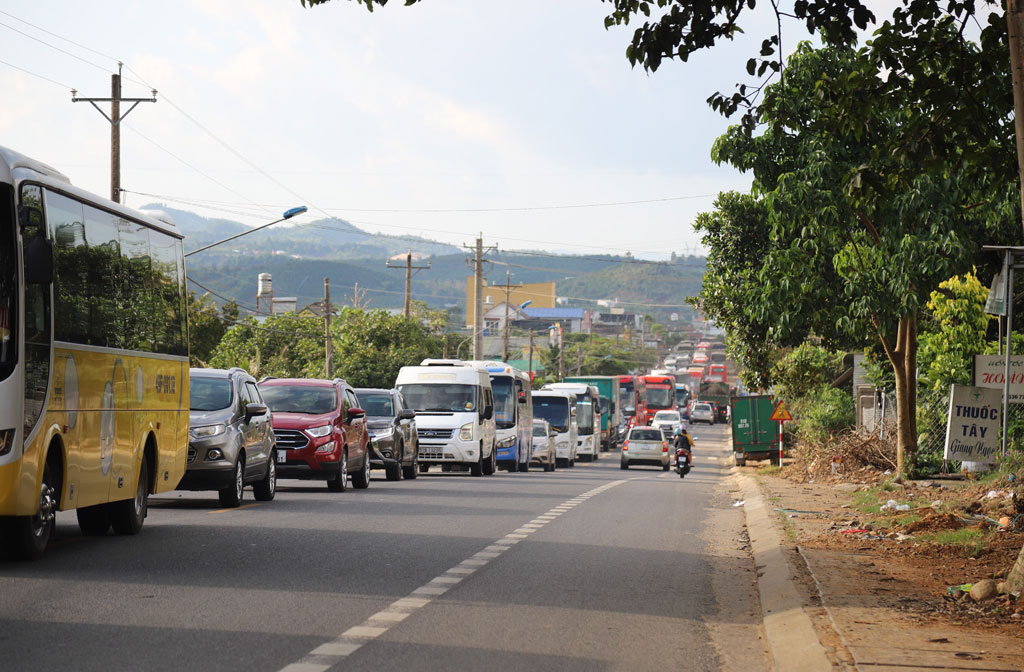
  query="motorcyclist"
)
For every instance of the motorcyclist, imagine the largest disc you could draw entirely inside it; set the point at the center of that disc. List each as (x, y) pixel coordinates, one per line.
(682, 443)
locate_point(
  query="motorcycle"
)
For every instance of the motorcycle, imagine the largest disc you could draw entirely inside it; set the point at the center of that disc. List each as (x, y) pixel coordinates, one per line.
(682, 462)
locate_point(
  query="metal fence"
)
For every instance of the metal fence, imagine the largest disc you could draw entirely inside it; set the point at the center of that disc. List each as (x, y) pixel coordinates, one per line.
(932, 418)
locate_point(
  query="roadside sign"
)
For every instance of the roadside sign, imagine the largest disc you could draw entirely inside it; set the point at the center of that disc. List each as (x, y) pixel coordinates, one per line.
(972, 432)
(995, 304)
(781, 413)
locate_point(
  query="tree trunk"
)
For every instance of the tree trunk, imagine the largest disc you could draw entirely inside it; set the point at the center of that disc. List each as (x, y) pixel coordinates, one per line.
(903, 358)
(1015, 579)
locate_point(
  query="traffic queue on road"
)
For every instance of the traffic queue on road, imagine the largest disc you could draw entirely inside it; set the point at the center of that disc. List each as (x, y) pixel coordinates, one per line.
(458, 416)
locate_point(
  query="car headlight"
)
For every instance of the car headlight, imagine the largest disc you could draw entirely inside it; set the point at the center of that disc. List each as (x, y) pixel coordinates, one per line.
(466, 432)
(317, 432)
(205, 431)
(382, 433)
(326, 448)
(507, 442)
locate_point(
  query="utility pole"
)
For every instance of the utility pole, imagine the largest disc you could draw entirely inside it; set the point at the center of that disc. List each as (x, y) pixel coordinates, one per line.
(579, 359)
(114, 118)
(508, 287)
(408, 278)
(531, 357)
(478, 295)
(328, 343)
(1015, 32)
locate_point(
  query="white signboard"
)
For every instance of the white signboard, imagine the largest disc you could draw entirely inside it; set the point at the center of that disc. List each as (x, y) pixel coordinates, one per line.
(989, 371)
(972, 433)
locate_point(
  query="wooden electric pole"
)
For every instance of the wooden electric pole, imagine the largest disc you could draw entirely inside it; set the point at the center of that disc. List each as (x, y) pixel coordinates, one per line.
(114, 118)
(478, 295)
(328, 343)
(409, 268)
(1015, 33)
(507, 287)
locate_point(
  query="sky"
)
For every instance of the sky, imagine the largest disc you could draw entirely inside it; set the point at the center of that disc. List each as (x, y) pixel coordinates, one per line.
(519, 121)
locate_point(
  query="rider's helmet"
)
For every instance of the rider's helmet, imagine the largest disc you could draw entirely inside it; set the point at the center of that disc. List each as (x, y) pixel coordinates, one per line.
(678, 431)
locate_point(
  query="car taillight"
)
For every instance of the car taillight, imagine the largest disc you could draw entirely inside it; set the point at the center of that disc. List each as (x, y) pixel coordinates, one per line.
(664, 447)
(625, 445)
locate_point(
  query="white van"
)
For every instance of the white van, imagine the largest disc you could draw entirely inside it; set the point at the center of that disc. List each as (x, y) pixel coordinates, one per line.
(454, 413)
(559, 409)
(588, 417)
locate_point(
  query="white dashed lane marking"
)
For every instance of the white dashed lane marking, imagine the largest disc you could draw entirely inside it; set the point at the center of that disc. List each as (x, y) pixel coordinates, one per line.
(323, 657)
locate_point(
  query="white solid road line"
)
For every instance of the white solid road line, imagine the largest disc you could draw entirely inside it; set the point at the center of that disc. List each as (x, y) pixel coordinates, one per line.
(323, 657)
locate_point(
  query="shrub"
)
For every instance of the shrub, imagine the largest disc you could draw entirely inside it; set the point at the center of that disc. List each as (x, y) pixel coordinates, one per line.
(828, 413)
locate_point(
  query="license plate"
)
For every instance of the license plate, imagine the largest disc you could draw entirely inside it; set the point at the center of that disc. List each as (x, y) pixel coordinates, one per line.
(282, 456)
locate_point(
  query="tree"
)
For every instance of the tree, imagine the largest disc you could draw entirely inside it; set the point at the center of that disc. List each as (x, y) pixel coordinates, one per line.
(960, 325)
(849, 214)
(207, 326)
(370, 346)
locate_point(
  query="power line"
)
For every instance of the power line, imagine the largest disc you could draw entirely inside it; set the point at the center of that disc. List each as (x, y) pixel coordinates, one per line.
(43, 42)
(34, 74)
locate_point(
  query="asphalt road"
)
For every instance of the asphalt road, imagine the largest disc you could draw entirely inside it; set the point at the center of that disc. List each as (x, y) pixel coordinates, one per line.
(590, 568)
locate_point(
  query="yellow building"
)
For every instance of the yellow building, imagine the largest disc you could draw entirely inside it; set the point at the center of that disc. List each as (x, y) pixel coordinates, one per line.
(541, 294)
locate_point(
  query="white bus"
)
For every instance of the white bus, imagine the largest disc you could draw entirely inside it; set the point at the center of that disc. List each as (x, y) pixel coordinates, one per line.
(93, 358)
(588, 417)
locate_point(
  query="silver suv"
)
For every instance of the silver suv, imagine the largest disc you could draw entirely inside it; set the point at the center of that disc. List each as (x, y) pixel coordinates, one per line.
(231, 443)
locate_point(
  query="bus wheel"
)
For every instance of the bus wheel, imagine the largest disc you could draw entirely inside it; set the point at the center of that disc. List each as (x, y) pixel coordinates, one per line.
(128, 515)
(93, 521)
(28, 535)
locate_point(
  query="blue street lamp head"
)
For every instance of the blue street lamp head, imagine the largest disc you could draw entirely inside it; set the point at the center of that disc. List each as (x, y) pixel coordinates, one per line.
(288, 214)
(524, 304)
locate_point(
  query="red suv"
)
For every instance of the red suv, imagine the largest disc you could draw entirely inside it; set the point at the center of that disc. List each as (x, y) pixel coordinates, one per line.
(320, 431)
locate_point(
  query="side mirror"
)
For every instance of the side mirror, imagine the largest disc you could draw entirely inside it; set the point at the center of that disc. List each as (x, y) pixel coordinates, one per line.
(488, 412)
(253, 409)
(356, 413)
(407, 414)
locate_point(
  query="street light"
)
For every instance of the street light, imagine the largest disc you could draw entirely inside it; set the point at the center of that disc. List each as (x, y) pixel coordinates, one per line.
(288, 214)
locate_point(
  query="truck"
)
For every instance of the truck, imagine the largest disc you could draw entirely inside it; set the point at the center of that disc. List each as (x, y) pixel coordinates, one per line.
(755, 436)
(611, 412)
(717, 392)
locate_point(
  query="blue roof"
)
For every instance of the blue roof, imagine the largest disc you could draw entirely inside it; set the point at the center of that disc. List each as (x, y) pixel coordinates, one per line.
(555, 313)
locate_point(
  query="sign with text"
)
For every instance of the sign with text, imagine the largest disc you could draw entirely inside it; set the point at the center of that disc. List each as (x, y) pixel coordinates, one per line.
(972, 433)
(989, 371)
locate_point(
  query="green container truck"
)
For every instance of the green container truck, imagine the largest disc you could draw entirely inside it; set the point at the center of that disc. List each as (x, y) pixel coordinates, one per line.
(755, 435)
(611, 414)
(718, 393)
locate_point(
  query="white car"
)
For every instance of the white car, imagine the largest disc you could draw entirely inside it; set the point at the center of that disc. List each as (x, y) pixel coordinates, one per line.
(667, 419)
(702, 412)
(544, 452)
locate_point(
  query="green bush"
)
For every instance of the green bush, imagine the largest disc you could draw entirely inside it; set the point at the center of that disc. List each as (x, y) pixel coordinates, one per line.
(826, 414)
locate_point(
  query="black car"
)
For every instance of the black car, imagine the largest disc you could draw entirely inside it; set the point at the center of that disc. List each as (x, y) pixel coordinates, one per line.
(392, 429)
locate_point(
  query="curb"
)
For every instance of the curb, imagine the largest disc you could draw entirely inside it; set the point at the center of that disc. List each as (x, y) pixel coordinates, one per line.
(792, 639)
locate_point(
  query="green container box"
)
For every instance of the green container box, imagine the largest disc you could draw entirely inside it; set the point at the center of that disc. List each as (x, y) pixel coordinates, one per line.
(754, 434)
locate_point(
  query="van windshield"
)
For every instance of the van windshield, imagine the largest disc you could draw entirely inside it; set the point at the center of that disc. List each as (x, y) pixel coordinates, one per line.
(553, 409)
(440, 397)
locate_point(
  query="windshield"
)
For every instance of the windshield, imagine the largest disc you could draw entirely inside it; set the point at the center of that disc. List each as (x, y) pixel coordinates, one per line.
(308, 399)
(605, 406)
(669, 416)
(209, 394)
(504, 402)
(585, 417)
(646, 434)
(661, 397)
(377, 405)
(540, 430)
(626, 399)
(553, 409)
(440, 397)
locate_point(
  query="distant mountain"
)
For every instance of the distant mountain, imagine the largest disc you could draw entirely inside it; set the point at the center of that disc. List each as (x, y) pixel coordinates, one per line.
(300, 257)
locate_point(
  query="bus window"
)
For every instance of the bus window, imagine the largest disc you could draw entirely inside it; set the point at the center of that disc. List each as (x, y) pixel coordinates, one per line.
(8, 284)
(37, 326)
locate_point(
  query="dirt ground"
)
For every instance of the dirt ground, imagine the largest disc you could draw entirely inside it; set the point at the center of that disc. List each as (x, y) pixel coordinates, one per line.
(879, 581)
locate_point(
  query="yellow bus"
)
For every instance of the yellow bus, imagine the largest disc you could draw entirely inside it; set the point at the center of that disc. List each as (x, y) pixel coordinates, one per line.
(93, 358)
